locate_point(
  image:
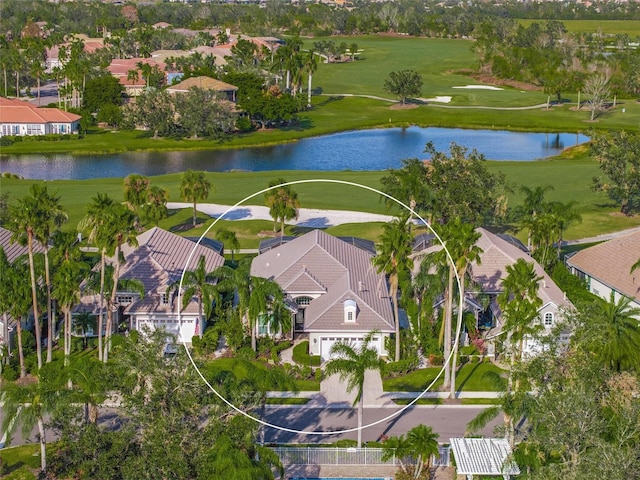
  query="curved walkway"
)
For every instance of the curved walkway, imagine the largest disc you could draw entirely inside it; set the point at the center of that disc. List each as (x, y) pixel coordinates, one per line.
(307, 217)
(429, 103)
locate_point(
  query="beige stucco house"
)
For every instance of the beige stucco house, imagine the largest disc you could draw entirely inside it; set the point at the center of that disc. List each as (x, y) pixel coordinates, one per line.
(337, 292)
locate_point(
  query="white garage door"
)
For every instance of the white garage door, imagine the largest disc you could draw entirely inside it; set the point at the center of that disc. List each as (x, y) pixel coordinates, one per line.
(327, 342)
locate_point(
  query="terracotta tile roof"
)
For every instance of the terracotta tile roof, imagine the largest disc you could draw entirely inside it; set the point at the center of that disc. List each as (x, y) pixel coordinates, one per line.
(18, 111)
(610, 263)
(14, 250)
(322, 262)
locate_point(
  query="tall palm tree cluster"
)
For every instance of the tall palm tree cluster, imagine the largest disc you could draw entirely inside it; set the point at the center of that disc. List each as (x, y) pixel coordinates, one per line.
(433, 293)
(47, 283)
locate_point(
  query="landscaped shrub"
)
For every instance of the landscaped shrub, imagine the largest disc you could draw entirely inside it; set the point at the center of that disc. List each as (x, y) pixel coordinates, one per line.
(396, 369)
(9, 372)
(469, 350)
(436, 360)
(246, 353)
(301, 355)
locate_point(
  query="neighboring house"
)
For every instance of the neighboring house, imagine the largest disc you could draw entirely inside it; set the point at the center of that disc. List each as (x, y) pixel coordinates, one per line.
(225, 90)
(121, 68)
(338, 293)
(207, 51)
(13, 251)
(158, 262)
(24, 119)
(52, 54)
(487, 277)
(606, 268)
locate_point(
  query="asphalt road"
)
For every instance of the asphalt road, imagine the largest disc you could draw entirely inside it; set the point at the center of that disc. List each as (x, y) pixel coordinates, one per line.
(446, 420)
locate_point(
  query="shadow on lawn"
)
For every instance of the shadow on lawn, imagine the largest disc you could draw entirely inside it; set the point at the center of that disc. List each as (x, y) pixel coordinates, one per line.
(469, 375)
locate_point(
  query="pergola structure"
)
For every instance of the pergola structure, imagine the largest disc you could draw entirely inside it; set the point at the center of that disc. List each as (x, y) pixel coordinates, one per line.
(483, 456)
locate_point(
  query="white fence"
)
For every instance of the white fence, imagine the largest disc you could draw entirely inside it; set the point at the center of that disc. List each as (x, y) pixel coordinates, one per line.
(344, 456)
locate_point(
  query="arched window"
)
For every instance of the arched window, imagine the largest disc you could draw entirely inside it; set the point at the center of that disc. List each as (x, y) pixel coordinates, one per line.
(548, 319)
(350, 309)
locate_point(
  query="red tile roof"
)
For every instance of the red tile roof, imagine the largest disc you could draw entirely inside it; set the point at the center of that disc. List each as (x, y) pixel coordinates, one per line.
(18, 111)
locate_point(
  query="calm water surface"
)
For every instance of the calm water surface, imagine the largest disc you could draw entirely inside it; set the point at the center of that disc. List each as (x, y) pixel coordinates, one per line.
(375, 149)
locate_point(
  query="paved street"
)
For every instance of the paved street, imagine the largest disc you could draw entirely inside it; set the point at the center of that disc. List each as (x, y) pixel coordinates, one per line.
(447, 420)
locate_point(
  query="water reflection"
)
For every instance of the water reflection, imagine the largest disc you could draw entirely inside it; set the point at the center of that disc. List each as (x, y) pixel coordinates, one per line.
(375, 149)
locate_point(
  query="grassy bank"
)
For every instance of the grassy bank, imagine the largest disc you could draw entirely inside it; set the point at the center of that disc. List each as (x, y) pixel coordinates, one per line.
(570, 175)
(332, 114)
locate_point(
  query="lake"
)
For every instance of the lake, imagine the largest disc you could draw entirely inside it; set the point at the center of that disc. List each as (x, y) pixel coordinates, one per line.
(376, 149)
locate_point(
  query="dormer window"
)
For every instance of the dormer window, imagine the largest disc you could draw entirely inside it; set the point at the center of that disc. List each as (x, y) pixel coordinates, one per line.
(548, 319)
(166, 298)
(350, 310)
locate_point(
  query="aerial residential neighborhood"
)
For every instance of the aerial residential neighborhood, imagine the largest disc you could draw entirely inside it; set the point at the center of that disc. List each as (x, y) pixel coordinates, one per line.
(319, 240)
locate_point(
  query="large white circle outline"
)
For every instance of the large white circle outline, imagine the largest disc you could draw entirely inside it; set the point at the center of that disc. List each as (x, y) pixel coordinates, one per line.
(314, 432)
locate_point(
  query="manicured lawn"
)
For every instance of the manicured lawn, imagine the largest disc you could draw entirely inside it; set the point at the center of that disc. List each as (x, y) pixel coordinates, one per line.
(336, 114)
(608, 27)
(241, 371)
(470, 378)
(570, 174)
(20, 461)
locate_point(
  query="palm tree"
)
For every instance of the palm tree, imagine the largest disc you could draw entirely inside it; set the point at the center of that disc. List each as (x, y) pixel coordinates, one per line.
(408, 185)
(67, 292)
(136, 188)
(200, 284)
(392, 258)
(283, 203)
(155, 208)
(229, 239)
(532, 205)
(14, 298)
(88, 377)
(619, 337)
(195, 187)
(266, 301)
(460, 241)
(519, 303)
(310, 65)
(51, 217)
(351, 364)
(119, 229)
(27, 216)
(96, 222)
(420, 445)
(26, 403)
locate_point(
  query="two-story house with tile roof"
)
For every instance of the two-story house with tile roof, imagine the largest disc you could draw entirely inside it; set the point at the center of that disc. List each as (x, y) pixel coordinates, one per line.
(337, 291)
(487, 277)
(158, 262)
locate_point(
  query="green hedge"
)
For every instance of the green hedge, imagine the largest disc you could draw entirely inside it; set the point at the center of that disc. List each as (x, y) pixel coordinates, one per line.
(301, 355)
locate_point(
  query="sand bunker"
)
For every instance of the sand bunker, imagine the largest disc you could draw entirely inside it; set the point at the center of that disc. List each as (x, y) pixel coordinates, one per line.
(480, 87)
(442, 99)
